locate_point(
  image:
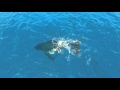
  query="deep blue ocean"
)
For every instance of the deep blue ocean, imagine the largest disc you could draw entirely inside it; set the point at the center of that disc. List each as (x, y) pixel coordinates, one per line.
(99, 33)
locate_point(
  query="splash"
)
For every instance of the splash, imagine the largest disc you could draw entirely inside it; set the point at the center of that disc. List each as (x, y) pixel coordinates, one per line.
(70, 45)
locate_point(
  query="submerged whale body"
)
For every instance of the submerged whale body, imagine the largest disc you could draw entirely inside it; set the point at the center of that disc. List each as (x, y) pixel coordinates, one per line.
(46, 47)
(56, 45)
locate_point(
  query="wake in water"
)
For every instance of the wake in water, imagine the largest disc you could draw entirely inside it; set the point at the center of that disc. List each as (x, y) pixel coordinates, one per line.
(57, 45)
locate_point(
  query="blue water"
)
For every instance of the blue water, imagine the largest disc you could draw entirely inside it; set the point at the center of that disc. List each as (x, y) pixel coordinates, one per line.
(99, 33)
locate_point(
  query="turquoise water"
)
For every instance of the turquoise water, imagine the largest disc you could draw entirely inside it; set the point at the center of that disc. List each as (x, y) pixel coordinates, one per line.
(99, 33)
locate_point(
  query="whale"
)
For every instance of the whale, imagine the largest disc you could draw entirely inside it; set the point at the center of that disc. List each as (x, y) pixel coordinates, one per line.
(46, 47)
(52, 46)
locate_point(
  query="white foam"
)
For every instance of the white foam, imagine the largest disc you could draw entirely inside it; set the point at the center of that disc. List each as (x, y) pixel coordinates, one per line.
(62, 43)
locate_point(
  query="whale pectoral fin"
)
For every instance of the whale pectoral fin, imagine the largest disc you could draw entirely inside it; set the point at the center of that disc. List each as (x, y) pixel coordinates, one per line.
(75, 47)
(77, 51)
(49, 56)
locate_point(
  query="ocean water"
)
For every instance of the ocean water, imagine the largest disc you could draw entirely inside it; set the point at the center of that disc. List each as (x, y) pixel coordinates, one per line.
(99, 33)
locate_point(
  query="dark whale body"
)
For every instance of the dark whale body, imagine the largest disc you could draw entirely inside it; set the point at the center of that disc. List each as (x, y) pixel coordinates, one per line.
(46, 47)
(49, 45)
